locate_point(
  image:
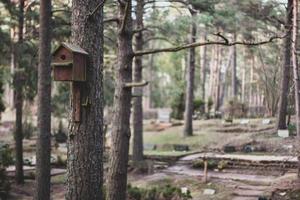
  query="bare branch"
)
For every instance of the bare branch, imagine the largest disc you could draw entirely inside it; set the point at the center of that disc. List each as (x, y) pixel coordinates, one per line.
(198, 44)
(125, 17)
(111, 20)
(139, 84)
(95, 10)
(222, 36)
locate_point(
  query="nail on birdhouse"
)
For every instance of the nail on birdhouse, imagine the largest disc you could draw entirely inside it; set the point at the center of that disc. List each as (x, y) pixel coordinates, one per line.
(69, 63)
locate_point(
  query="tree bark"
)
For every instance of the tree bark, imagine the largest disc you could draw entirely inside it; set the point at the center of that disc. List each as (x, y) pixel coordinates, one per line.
(233, 72)
(283, 101)
(85, 139)
(19, 101)
(43, 152)
(190, 76)
(137, 149)
(117, 177)
(295, 64)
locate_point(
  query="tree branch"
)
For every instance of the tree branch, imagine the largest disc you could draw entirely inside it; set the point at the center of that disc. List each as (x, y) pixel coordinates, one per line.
(122, 28)
(111, 20)
(95, 10)
(198, 44)
(139, 84)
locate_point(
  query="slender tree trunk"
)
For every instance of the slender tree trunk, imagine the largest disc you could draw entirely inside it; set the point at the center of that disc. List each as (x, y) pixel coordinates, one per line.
(137, 153)
(251, 81)
(211, 72)
(217, 79)
(295, 64)
(243, 84)
(43, 152)
(190, 76)
(233, 72)
(85, 139)
(283, 101)
(117, 177)
(19, 101)
(203, 69)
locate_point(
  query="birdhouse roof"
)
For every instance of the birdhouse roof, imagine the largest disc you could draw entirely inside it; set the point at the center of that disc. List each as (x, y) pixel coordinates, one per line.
(71, 47)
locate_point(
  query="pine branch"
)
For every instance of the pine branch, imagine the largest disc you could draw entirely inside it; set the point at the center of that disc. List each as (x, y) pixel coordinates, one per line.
(198, 44)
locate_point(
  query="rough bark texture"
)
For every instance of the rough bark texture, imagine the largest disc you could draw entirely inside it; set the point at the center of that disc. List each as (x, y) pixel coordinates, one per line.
(117, 177)
(295, 64)
(190, 76)
(43, 152)
(233, 72)
(85, 139)
(19, 102)
(137, 149)
(283, 101)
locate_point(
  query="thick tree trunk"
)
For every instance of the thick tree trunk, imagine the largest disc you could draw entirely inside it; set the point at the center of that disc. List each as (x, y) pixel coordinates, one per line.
(283, 101)
(137, 149)
(233, 72)
(117, 177)
(295, 64)
(19, 101)
(43, 152)
(190, 76)
(85, 139)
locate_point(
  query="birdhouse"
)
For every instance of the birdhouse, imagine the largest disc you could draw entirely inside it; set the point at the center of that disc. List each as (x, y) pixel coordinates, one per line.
(69, 63)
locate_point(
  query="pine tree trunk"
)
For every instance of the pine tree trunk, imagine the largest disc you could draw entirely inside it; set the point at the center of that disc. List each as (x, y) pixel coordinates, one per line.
(43, 152)
(190, 76)
(117, 177)
(283, 101)
(85, 139)
(19, 101)
(233, 72)
(203, 69)
(295, 64)
(137, 149)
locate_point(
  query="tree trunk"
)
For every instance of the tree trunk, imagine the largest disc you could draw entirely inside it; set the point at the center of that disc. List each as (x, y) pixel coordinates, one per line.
(117, 177)
(137, 152)
(85, 139)
(19, 101)
(217, 78)
(283, 101)
(203, 69)
(43, 152)
(190, 76)
(295, 64)
(233, 72)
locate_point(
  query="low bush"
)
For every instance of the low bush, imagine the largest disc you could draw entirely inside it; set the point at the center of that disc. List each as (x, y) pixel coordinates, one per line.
(5, 160)
(166, 192)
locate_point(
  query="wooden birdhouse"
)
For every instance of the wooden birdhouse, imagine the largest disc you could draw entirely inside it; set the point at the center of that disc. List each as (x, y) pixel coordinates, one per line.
(69, 63)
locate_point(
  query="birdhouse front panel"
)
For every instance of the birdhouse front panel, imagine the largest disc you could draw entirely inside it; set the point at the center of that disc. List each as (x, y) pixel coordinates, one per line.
(62, 63)
(79, 67)
(62, 73)
(63, 55)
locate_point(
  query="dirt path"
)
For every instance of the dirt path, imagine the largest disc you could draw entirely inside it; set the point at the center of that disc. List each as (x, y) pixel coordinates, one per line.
(245, 186)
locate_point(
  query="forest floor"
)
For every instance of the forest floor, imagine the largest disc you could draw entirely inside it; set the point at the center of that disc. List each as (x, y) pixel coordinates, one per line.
(210, 136)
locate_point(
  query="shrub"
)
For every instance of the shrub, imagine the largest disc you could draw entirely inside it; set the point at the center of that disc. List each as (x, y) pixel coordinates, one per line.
(234, 109)
(5, 161)
(28, 130)
(166, 192)
(292, 129)
(60, 136)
